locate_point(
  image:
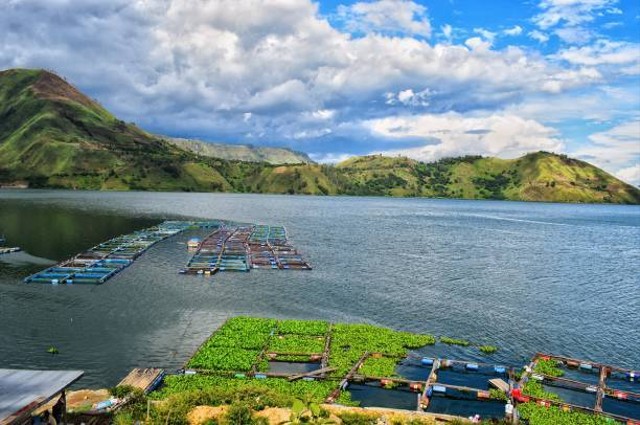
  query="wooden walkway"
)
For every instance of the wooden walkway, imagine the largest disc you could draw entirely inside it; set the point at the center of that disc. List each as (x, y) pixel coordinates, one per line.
(336, 393)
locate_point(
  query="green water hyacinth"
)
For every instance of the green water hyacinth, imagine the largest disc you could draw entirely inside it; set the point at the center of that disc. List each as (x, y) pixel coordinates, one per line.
(454, 341)
(296, 344)
(303, 327)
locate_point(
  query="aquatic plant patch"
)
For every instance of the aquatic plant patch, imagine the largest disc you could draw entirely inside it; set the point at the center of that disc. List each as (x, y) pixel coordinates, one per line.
(297, 344)
(303, 327)
(548, 367)
(224, 359)
(349, 342)
(488, 349)
(382, 367)
(315, 391)
(535, 389)
(539, 415)
(454, 341)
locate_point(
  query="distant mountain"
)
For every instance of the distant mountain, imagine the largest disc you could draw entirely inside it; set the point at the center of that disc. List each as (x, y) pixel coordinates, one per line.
(51, 135)
(246, 153)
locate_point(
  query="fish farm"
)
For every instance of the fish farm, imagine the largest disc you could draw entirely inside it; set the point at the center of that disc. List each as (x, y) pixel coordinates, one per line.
(230, 247)
(369, 366)
(241, 248)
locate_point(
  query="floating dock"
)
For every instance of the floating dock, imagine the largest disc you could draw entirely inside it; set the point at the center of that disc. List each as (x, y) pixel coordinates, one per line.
(145, 379)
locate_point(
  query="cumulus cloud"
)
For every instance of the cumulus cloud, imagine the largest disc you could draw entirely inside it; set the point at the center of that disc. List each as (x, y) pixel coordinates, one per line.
(386, 16)
(630, 175)
(453, 134)
(515, 30)
(276, 71)
(538, 36)
(603, 52)
(568, 17)
(571, 12)
(616, 149)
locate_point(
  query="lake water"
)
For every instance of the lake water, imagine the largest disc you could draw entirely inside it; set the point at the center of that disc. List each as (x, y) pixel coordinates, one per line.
(525, 277)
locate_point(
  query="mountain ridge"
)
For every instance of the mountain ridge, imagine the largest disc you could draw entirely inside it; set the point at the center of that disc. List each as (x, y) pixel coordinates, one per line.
(241, 152)
(51, 135)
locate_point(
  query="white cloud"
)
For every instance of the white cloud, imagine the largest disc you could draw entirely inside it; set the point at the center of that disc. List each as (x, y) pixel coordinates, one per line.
(538, 36)
(409, 98)
(568, 18)
(574, 35)
(277, 70)
(616, 149)
(329, 158)
(486, 34)
(447, 31)
(630, 175)
(571, 78)
(603, 52)
(453, 134)
(570, 12)
(386, 16)
(515, 30)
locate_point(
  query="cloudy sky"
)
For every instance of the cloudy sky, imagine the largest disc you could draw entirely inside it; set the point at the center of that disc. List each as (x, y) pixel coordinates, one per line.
(335, 78)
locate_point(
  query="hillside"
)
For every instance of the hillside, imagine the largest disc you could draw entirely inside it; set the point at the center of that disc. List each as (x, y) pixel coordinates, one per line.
(539, 176)
(248, 153)
(51, 135)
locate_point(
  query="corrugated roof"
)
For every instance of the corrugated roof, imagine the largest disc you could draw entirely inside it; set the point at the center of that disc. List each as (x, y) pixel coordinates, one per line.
(24, 390)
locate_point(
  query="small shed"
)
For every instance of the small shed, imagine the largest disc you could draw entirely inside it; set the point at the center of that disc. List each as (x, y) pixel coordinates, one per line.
(23, 391)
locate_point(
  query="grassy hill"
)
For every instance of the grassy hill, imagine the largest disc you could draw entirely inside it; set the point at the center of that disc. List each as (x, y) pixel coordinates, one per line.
(246, 153)
(51, 135)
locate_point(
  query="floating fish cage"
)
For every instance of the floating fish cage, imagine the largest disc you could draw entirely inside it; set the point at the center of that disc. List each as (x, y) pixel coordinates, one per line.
(241, 247)
(105, 260)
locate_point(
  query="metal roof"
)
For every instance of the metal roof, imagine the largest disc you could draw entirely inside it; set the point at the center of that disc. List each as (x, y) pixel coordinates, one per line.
(21, 391)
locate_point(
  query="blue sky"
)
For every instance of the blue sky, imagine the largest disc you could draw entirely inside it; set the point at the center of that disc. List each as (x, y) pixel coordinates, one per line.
(426, 79)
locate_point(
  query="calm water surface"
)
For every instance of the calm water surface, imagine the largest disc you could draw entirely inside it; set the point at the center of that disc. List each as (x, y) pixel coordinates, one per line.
(524, 277)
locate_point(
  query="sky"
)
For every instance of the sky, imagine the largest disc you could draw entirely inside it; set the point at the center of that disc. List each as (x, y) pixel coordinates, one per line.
(335, 78)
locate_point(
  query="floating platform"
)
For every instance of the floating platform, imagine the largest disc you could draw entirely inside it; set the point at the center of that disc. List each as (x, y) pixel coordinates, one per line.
(5, 250)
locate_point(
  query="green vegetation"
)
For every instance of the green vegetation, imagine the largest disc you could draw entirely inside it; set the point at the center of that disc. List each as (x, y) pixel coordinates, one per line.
(535, 389)
(350, 342)
(488, 349)
(282, 391)
(498, 394)
(454, 341)
(380, 367)
(548, 367)
(235, 346)
(297, 344)
(540, 415)
(303, 327)
(51, 135)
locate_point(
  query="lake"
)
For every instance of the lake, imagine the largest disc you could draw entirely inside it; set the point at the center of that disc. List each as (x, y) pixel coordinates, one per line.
(526, 277)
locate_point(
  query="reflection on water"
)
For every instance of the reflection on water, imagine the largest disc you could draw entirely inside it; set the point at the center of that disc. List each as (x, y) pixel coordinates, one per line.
(521, 282)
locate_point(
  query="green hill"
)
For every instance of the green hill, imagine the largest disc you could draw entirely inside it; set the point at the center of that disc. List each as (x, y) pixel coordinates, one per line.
(539, 176)
(246, 153)
(51, 135)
